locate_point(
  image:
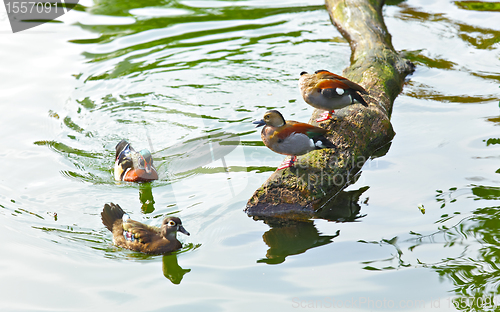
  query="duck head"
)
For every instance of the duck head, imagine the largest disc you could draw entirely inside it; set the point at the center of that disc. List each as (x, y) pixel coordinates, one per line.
(170, 226)
(145, 160)
(271, 118)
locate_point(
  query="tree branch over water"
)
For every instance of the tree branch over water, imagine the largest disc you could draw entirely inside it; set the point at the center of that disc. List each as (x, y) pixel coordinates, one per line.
(357, 132)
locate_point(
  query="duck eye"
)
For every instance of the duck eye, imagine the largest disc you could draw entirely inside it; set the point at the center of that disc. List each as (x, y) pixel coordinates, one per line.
(171, 223)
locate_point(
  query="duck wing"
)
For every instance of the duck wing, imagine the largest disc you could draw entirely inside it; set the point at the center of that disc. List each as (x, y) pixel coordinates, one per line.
(300, 127)
(141, 232)
(331, 80)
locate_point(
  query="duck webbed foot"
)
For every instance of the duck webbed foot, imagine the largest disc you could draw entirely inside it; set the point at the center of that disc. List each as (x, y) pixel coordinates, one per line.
(325, 116)
(288, 163)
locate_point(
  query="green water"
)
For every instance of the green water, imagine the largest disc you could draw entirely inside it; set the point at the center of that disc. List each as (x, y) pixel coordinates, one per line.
(179, 78)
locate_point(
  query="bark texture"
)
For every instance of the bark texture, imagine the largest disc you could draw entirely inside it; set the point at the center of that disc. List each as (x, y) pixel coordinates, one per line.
(357, 132)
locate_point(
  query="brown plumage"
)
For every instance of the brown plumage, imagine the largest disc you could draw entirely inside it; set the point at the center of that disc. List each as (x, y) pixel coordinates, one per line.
(328, 91)
(140, 237)
(291, 137)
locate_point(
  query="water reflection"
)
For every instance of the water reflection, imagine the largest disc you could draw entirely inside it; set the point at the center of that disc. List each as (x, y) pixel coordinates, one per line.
(295, 235)
(146, 198)
(474, 38)
(172, 270)
(176, 30)
(289, 237)
(344, 207)
(372, 265)
(170, 266)
(473, 239)
(479, 5)
(475, 272)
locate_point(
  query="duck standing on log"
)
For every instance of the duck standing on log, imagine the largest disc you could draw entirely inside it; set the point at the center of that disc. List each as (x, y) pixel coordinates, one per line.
(291, 137)
(327, 91)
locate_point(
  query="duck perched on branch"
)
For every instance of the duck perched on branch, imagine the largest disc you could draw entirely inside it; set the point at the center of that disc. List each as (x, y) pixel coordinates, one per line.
(327, 91)
(291, 137)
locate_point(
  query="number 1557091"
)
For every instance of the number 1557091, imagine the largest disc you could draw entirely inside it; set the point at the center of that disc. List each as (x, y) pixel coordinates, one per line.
(30, 7)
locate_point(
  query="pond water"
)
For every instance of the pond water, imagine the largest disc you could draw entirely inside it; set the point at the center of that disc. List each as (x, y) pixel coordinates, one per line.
(177, 77)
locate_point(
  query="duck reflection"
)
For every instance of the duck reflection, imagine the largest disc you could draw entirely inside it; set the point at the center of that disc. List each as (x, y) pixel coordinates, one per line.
(293, 236)
(146, 198)
(288, 237)
(170, 267)
(342, 208)
(172, 270)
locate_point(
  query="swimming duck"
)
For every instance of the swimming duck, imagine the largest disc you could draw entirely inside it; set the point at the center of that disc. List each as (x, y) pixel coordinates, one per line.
(132, 166)
(327, 91)
(136, 236)
(291, 137)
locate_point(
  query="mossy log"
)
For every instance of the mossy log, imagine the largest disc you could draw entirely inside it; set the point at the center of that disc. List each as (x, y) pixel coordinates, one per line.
(357, 132)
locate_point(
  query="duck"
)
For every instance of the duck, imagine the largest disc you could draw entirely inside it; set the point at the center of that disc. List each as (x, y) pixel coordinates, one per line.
(132, 166)
(327, 91)
(290, 137)
(140, 237)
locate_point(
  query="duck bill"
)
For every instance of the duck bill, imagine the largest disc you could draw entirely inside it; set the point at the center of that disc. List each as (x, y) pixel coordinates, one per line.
(183, 230)
(259, 123)
(147, 167)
